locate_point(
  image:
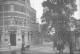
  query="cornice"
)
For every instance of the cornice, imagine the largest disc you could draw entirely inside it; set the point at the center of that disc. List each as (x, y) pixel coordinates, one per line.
(21, 4)
(15, 12)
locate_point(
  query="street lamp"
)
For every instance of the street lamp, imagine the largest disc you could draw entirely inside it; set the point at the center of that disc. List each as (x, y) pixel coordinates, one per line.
(72, 28)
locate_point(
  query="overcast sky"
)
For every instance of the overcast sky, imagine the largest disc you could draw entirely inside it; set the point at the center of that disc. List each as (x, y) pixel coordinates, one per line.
(77, 14)
(36, 4)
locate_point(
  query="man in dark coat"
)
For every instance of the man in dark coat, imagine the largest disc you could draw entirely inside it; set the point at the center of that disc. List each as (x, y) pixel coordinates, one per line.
(60, 47)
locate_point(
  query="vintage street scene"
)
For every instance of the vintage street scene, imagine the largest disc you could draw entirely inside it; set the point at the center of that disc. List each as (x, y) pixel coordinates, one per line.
(39, 27)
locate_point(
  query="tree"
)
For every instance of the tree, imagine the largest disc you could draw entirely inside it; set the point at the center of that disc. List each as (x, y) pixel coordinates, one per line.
(57, 14)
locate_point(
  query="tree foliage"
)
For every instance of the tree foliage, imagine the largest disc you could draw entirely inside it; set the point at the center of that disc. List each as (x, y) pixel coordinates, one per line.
(59, 12)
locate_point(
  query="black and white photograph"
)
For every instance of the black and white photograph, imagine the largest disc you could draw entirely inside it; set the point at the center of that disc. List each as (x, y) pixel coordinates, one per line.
(39, 27)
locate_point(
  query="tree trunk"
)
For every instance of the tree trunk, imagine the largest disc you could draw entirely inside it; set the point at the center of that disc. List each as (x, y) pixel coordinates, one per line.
(54, 44)
(71, 48)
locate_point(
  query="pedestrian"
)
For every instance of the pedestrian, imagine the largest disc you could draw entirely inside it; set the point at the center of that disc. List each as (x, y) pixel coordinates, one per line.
(60, 47)
(54, 45)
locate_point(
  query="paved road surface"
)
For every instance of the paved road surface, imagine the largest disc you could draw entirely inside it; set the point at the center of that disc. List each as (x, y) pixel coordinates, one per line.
(19, 52)
(45, 49)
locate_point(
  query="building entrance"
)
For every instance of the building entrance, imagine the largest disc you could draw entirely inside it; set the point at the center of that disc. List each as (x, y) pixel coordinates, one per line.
(13, 38)
(23, 41)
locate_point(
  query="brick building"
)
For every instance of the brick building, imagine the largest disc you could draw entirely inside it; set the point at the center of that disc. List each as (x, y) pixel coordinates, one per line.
(17, 24)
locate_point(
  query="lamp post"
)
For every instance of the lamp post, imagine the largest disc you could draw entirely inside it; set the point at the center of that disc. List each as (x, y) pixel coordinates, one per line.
(72, 38)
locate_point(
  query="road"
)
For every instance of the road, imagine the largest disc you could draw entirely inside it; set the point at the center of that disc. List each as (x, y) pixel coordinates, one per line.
(31, 52)
(45, 49)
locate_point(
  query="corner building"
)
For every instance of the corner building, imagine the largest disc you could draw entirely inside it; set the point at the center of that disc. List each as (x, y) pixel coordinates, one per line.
(17, 24)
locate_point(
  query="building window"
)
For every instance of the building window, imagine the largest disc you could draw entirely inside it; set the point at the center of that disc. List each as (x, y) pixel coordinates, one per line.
(0, 35)
(22, 10)
(1, 8)
(14, 21)
(31, 21)
(30, 35)
(23, 0)
(28, 2)
(20, 21)
(12, 7)
(24, 22)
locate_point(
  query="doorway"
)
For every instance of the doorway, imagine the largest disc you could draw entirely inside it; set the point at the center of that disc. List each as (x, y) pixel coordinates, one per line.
(23, 42)
(13, 38)
(23, 39)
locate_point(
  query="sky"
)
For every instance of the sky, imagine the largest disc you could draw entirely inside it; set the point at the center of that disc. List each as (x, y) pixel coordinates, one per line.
(76, 15)
(36, 4)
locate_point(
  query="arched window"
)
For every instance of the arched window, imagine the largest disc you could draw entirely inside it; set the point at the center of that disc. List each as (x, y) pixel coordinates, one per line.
(11, 7)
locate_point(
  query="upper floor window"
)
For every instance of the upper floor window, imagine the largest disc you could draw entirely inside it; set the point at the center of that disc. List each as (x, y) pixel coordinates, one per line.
(28, 2)
(25, 22)
(22, 10)
(32, 21)
(20, 21)
(11, 7)
(0, 35)
(24, 0)
(1, 8)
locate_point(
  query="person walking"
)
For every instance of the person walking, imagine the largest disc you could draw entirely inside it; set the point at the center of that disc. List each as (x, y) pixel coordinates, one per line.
(60, 47)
